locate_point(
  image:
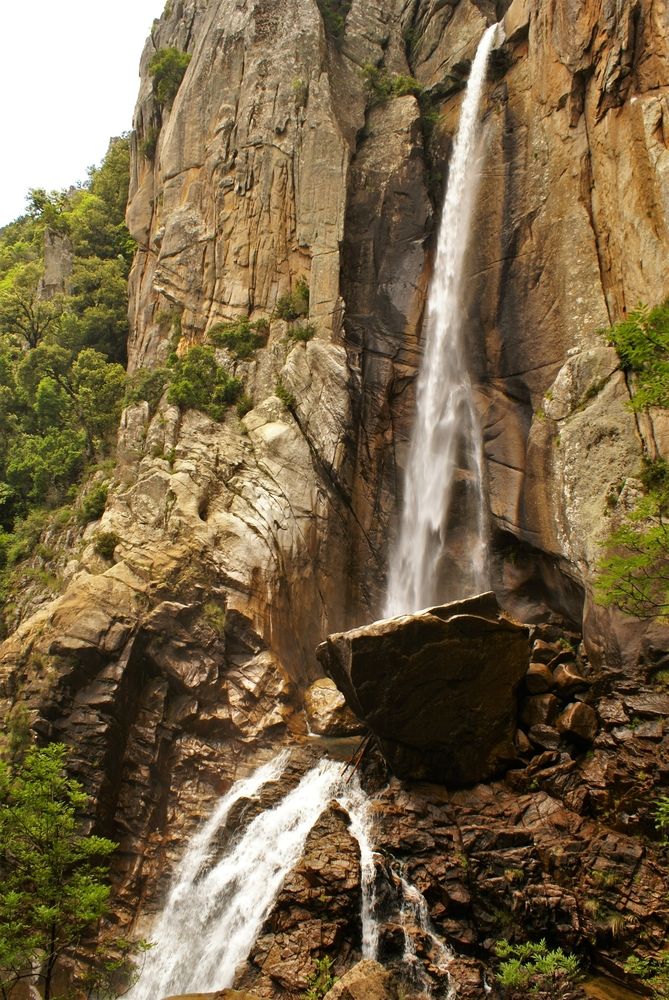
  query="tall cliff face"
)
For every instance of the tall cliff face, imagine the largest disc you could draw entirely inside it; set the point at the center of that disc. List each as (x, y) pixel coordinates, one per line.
(244, 542)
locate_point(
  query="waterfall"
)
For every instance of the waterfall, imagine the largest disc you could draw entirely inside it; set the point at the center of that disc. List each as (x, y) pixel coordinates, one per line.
(217, 904)
(356, 803)
(434, 560)
(415, 916)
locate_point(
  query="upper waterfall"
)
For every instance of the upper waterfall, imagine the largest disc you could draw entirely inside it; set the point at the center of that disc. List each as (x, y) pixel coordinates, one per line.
(446, 440)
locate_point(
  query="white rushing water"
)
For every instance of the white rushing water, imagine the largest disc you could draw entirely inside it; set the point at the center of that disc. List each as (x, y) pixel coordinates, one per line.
(217, 904)
(446, 443)
(415, 919)
(358, 806)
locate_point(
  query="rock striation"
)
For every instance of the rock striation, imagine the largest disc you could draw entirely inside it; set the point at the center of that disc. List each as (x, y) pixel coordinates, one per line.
(438, 688)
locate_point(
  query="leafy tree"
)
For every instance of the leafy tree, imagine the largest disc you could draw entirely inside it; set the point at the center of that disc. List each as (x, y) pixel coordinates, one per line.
(22, 312)
(240, 337)
(634, 573)
(52, 876)
(321, 980)
(642, 343)
(167, 68)
(40, 464)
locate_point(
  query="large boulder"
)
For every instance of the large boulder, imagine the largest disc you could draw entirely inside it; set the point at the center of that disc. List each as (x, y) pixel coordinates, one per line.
(365, 981)
(438, 688)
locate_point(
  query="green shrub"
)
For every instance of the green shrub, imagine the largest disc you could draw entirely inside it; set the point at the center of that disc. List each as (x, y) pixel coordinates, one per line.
(149, 142)
(244, 405)
(302, 332)
(661, 815)
(533, 965)
(214, 615)
(654, 973)
(167, 67)
(240, 337)
(321, 980)
(292, 305)
(284, 395)
(642, 343)
(334, 13)
(93, 503)
(198, 382)
(146, 384)
(105, 543)
(382, 85)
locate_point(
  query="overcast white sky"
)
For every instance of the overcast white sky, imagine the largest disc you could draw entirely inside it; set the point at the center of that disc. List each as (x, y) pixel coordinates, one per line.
(69, 79)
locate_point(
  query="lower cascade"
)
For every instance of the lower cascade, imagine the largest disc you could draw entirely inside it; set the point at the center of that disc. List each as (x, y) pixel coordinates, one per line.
(218, 902)
(436, 559)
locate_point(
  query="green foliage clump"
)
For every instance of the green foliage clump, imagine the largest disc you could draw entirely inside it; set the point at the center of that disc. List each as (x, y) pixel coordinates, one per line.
(62, 350)
(284, 395)
(93, 503)
(321, 980)
(334, 13)
(240, 337)
(295, 304)
(661, 814)
(52, 876)
(653, 972)
(105, 543)
(198, 382)
(382, 85)
(244, 405)
(532, 965)
(146, 384)
(642, 343)
(214, 615)
(167, 68)
(149, 142)
(302, 332)
(634, 574)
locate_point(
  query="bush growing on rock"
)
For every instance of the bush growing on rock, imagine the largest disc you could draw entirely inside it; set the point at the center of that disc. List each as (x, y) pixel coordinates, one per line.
(321, 980)
(533, 966)
(93, 503)
(168, 67)
(198, 382)
(634, 574)
(292, 305)
(240, 337)
(105, 544)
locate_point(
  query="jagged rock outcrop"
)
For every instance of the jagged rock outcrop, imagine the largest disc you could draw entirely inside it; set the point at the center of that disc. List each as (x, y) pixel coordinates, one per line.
(438, 688)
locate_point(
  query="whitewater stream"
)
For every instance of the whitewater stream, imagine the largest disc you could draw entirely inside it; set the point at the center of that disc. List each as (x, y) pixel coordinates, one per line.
(446, 443)
(217, 904)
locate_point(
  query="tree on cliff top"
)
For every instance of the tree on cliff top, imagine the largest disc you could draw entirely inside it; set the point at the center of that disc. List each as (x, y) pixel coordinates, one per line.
(52, 875)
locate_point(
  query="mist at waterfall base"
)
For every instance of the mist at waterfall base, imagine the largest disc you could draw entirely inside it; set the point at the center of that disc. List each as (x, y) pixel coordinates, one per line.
(439, 556)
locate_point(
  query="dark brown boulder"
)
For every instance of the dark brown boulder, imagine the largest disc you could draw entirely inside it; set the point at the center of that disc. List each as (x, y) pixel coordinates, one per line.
(437, 688)
(579, 720)
(538, 679)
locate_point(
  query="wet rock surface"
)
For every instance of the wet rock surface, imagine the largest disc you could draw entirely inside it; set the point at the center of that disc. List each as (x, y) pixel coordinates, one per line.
(436, 688)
